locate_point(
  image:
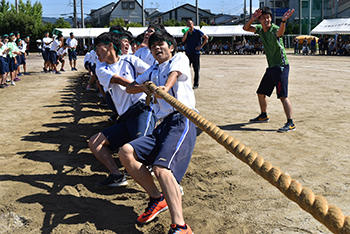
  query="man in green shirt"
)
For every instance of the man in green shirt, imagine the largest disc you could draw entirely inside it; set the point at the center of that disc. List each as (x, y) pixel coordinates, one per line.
(276, 74)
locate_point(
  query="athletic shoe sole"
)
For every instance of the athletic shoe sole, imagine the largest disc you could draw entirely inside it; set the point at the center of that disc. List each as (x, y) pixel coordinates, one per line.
(154, 216)
(282, 131)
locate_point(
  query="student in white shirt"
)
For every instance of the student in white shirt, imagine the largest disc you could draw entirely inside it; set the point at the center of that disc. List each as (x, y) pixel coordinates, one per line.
(135, 117)
(143, 52)
(168, 149)
(61, 53)
(55, 46)
(72, 51)
(46, 51)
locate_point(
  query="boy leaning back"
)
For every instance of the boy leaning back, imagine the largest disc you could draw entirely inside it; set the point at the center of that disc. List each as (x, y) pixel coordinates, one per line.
(169, 148)
(276, 74)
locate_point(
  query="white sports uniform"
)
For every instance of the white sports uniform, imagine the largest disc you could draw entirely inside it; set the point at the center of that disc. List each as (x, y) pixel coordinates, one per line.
(127, 67)
(145, 54)
(182, 89)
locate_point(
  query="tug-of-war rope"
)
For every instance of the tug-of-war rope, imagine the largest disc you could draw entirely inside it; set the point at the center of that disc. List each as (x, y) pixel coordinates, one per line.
(329, 215)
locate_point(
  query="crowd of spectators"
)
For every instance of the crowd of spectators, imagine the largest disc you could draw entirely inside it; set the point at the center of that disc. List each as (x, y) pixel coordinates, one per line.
(326, 45)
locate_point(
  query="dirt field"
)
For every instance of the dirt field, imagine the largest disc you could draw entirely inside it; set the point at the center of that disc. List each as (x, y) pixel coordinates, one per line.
(48, 175)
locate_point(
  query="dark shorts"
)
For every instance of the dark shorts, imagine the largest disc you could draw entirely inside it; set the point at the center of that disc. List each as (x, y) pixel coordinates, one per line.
(72, 55)
(60, 59)
(12, 65)
(139, 120)
(23, 59)
(170, 145)
(46, 54)
(6, 64)
(53, 57)
(19, 61)
(275, 77)
(87, 65)
(3, 62)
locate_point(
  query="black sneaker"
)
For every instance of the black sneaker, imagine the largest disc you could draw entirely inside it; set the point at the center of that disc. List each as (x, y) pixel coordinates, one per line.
(262, 118)
(287, 127)
(114, 181)
(195, 86)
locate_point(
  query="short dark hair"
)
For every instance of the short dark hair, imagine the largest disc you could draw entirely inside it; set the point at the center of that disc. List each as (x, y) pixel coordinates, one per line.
(139, 39)
(162, 35)
(120, 32)
(107, 38)
(156, 27)
(266, 10)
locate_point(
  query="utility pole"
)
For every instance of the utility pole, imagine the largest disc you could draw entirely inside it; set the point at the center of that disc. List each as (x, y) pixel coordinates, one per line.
(310, 13)
(336, 8)
(245, 10)
(143, 13)
(82, 14)
(16, 5)
(75, 22)
(300, 15)
(251, 8)
(197, 14)
(322, 9)
(274, 11)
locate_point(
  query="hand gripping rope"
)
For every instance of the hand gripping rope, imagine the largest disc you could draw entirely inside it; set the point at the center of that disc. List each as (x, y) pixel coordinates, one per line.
(329, 215)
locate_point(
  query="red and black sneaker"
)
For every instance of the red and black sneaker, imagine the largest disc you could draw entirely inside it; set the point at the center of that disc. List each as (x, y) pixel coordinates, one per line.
(178, 229)
(155, 206)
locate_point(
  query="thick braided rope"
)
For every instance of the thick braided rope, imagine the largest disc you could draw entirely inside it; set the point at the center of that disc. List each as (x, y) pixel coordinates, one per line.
(329, 215)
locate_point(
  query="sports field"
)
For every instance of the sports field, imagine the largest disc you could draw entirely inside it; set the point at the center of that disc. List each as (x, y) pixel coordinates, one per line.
(48, 175)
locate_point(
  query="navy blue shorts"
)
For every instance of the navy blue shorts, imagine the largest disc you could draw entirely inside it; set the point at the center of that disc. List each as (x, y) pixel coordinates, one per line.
(139, 120)
(275, 77)
(23, 59)
(2, 66)
(12, 65)
(6, 64)
(53, 57)
(46, 54)
(170, 145)
(72, 54)
(19, 61)
(87, 65)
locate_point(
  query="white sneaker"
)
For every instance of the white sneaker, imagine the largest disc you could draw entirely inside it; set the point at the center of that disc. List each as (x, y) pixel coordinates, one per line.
(13, 83)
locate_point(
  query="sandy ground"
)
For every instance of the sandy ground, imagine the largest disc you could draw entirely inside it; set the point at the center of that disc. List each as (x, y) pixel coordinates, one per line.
(48, 176)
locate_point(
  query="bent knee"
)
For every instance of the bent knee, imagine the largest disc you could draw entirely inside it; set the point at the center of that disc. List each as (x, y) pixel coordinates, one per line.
(126, 152)
(160, 171)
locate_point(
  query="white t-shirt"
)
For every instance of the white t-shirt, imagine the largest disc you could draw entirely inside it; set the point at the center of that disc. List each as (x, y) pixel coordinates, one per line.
(72, 42)
(87, 57)
(182, 89)
(145, 54)
(24, 47)
(127, 67)
(47, 40)
(62, 51)
(55, 45)
(93, 57)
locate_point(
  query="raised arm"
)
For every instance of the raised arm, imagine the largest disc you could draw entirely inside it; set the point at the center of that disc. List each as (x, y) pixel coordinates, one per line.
(248, 26)
(282, 28)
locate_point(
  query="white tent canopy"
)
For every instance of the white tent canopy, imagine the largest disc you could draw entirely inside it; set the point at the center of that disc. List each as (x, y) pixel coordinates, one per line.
(333, 26)
(213, 31)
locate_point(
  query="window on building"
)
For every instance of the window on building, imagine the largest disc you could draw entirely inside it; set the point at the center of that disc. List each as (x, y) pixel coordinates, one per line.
(261, 5)
(125, 5)
(132, 5)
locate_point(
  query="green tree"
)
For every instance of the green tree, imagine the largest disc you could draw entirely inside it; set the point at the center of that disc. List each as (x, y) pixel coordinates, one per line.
(61, 23)
(132, 24)
(117, 22)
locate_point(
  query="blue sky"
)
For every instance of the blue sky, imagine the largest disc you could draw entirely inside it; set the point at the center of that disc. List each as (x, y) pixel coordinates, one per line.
(55, 8)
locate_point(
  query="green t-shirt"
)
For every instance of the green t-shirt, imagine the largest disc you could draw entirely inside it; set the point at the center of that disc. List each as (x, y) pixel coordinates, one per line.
(13, 48)
(273, 46)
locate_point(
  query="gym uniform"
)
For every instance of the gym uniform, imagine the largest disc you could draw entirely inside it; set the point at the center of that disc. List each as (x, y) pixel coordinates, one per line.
(145, 55)
(61, 53)
(136, 119)
(4, 68)
(93, 61)
(13, 48)
(87, 61)
(72, 53)
(172, 142)
(46, 48)
(276, 74)
(53, 51)
(23, 49)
